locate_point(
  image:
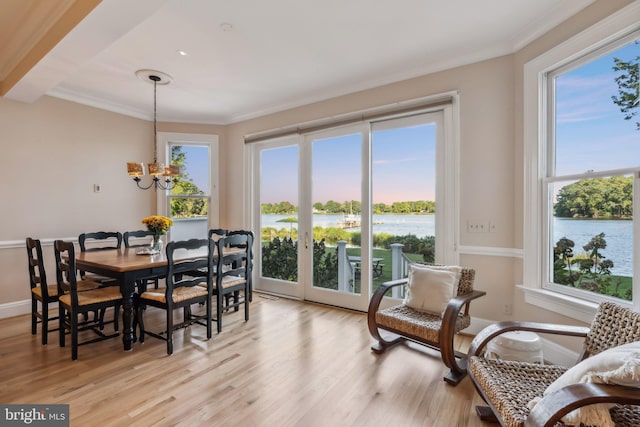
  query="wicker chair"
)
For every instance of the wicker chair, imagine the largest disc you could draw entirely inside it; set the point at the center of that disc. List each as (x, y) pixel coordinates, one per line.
(431, 330)
(508, 386)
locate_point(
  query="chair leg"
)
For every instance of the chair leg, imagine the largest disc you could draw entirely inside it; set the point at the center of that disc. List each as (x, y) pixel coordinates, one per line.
(45, 323)
(34, 316)
(74, 336)
(61, 327)
(219, 312)
(246, 306)
(209, 328)
(486, 414)
(169, 331)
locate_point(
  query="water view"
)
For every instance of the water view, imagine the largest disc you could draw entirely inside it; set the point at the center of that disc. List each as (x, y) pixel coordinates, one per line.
(617, 233)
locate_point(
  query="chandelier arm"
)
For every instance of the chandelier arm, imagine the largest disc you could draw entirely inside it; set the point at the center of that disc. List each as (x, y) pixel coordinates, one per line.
(142, 187)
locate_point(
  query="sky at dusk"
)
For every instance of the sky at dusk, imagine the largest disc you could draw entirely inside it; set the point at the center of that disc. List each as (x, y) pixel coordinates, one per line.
(403, 168)
(590, 134)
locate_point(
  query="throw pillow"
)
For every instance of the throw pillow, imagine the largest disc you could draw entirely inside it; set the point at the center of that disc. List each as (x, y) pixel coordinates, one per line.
(429, 289)
(619, 365)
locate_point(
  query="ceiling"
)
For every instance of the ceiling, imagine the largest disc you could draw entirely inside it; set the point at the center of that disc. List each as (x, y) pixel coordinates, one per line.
(247, 58)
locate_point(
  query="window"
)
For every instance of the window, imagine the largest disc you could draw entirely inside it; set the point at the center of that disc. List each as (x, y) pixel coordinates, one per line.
(582, 145)
(192, 201)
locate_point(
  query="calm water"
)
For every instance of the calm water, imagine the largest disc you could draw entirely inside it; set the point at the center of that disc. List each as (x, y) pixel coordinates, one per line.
(618, 234)
(398, 225)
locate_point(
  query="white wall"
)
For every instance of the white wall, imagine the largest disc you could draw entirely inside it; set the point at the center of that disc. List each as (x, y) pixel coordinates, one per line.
(54, 151)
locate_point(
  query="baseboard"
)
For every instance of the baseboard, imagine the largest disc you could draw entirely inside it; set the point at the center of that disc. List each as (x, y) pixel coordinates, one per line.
(552, 352)
(15, 308)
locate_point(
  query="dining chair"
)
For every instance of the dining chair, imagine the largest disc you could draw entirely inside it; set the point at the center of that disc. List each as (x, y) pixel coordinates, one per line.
(107, 240)
(143, 243)
(232, 273)
(216, 233)
(249, 258)
(72, 302)
(40, 291)
(182, 290)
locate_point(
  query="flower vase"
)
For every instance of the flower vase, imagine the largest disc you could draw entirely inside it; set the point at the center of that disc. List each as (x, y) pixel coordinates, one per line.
(156, 244)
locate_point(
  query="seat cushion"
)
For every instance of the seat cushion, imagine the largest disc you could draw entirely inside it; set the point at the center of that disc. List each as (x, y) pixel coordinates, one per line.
(179, 294)
(52, 291)
(416, 323)
(93, 296)
(510, 386)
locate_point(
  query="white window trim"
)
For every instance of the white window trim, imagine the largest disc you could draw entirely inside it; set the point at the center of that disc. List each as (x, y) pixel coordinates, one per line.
(535, 150)
(166, 138)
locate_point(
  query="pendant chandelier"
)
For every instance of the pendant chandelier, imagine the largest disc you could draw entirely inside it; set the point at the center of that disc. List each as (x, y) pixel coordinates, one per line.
(164, 177)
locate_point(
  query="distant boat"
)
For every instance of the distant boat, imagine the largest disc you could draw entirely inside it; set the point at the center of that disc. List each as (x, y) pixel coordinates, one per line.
(349, 221)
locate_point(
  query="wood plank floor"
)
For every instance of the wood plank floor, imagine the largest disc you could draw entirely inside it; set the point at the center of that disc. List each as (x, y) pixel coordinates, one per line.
(292, 364)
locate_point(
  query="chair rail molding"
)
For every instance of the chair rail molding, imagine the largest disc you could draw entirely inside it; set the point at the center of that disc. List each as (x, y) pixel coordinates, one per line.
(12, 244)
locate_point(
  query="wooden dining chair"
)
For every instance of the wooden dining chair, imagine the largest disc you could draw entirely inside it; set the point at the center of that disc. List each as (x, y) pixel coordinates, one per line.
(72, 303)
(106, 240)
(233, 273)
(41, 292)
(182, 290)
(144, 242)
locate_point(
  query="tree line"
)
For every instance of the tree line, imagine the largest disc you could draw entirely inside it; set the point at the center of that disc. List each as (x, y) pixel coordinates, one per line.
(596, 198)
(352, 207)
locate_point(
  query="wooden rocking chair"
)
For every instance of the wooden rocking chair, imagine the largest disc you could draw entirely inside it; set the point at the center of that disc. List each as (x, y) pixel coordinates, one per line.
(428, 329)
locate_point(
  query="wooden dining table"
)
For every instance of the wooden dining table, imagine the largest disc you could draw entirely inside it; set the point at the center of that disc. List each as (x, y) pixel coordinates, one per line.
(127, 268)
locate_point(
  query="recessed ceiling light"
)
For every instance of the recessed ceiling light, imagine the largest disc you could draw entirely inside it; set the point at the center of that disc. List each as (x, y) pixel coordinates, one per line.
(181, 53)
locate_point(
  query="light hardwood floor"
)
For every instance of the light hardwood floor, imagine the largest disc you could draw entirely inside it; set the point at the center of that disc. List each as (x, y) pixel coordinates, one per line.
(292, 364)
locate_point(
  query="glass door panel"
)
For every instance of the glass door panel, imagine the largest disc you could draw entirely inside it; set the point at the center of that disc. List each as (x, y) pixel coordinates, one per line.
(278, 265)
(403, 198)
(335, 203)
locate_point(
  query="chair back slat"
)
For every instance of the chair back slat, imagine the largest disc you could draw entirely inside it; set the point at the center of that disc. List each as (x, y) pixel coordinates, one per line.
(37, 273)
(138, 234)
(182, 265)
(234, 263)
(66, 269)
(102, 237)
(612, 326)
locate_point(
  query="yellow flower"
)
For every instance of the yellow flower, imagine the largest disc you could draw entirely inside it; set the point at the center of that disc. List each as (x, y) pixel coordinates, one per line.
(157, 224)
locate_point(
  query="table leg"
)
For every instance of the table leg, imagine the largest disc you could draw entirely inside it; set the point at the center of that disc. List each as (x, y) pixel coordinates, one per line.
(128, 337)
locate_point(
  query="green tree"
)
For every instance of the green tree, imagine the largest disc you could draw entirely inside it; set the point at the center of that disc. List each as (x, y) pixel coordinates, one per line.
(184, 185)
(596, 198)
(628, 81)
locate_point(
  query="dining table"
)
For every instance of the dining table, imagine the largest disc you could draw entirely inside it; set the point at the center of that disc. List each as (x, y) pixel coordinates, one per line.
(128, 266)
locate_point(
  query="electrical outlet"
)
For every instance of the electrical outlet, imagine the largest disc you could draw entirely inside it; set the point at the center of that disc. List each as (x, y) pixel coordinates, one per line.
(491, 227)
(508, 309)
(97, 188)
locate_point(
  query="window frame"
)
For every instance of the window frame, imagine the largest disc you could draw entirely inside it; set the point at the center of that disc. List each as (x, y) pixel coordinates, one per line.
(166, 140)
(538, 125)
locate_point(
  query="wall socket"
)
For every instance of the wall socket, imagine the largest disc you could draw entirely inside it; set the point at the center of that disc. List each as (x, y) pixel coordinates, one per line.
(508, 309)
(97, 188)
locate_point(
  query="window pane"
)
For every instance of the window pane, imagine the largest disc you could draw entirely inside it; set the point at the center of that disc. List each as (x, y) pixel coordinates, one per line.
(194, 169)
(592, 235)
(279, 217)
(404, 194)
(592, 133)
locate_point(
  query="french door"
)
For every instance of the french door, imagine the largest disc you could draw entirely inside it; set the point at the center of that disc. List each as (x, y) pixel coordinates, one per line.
(328, 205)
